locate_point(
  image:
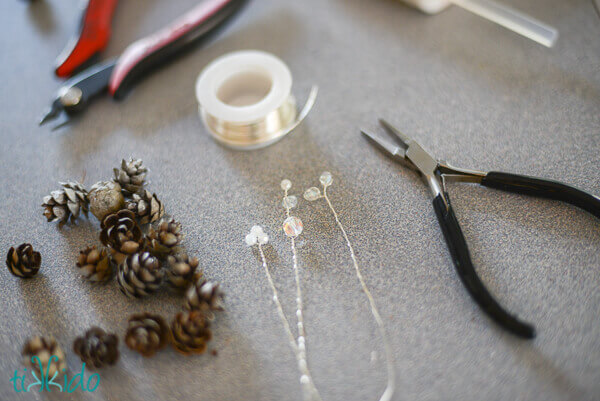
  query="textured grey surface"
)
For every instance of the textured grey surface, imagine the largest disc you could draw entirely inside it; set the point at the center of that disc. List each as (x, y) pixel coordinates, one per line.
(473, 93)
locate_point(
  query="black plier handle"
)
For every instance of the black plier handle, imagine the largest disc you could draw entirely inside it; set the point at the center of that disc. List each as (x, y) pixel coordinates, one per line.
(436, 174)
(543, 188)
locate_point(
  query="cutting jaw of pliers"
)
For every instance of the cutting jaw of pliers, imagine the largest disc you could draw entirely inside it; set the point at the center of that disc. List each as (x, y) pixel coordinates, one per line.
(436, 174)
(75, 94)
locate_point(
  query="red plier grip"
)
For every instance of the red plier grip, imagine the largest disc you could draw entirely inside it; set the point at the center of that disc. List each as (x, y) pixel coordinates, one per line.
(93, 37)
(170, 40)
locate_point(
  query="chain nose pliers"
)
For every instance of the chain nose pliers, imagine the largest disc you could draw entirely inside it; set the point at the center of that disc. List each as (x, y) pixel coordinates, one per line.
(437, 173)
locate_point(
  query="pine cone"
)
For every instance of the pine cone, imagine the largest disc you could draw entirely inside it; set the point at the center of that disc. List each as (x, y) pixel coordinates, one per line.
(66, 202)
(23, 262)
(139, 275)
(204, 295)
(164, 240)
(97, 348)
(181, 270)
(147, 333)
(131, 175)
(190, 331)
(49, 355)
(105, 198)
(121, 233)
(95, 265)
(146, 207)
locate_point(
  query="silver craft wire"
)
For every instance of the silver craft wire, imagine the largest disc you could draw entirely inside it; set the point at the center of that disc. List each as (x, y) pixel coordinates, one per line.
(313, 194)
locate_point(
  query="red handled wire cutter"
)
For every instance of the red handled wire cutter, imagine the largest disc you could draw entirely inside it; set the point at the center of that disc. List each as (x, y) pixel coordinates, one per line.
(119, 75)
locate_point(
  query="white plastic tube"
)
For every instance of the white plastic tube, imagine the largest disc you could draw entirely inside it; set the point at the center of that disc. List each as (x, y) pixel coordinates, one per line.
(502, 15)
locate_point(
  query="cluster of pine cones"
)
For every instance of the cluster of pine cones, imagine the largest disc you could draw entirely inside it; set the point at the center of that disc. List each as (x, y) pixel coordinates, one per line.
(138, 244)
(142, 248)
(189, 333)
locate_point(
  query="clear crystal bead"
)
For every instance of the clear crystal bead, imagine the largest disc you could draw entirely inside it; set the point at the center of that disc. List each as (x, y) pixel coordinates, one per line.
(263, 238)
(326, 179)
(289, 202)
(251, 239)
(256, 230)
(286, 185)
(292, 226)
(312, 194)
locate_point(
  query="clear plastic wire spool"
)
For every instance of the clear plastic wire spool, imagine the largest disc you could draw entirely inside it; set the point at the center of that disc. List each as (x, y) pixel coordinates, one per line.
(245, 99)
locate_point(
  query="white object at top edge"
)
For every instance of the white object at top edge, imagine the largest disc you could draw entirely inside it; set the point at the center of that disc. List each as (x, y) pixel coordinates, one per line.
(429, 6)
(244, 65)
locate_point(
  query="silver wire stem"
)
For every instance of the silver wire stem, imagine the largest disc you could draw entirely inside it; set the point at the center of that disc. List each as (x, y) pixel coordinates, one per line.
(391, 372)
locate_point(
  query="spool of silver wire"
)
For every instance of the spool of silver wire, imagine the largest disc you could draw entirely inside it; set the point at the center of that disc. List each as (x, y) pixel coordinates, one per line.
(245, 99)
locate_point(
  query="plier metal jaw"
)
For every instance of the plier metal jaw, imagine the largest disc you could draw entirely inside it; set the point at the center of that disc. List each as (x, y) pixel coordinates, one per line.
(436, 174)
(74, 95)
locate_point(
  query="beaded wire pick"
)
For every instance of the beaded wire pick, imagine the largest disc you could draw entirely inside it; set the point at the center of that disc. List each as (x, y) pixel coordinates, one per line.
(292, 227)
(313, 194)
(257, 237)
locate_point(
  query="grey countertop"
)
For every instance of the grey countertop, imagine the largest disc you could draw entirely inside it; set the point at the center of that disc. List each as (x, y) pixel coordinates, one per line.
(473, 93)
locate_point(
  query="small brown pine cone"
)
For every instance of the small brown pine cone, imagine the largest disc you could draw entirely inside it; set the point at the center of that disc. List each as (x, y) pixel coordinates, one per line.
(95, 264)
(97, 348)
(66, 203)
(45, 353)
(191, 333)
(163, 240)
(147, 333)
(23, 262)
(105, 198)
(204, 295)
(181, 270)
(146, 207)
(131, 175)
(139, 275)
(121, 233)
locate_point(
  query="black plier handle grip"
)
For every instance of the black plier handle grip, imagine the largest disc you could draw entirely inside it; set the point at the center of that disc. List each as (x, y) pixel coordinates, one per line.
(436, 174)
(458, 246)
